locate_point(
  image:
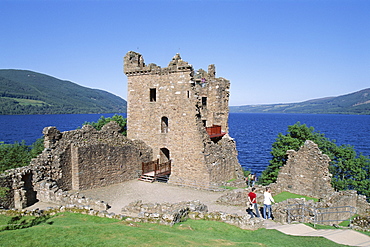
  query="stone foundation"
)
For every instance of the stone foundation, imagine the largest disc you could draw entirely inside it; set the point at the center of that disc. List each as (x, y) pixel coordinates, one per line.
(169, 214)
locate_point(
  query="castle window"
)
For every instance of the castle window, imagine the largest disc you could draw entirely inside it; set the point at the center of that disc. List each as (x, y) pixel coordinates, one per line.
(204, 101)
(164, 154)
(164, 125)
(188, 94)
(153, 95)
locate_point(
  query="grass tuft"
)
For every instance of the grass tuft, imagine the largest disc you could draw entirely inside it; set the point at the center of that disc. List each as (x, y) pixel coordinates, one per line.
(287, 195)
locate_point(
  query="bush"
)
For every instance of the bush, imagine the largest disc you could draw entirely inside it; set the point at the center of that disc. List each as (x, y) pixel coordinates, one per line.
(121, 121)
(19, 154)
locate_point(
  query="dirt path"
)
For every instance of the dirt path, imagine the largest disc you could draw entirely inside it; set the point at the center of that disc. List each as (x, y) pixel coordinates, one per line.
(120, 195)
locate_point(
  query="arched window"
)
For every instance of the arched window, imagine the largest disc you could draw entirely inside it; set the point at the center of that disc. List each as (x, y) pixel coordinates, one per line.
(164, 125)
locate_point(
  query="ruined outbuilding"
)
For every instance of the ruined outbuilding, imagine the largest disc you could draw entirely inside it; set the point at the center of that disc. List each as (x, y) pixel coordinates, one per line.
(75, 160)
(306, 172)
(182, 115)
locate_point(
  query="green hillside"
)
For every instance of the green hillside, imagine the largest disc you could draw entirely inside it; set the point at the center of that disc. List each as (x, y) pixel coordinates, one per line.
(27, 92)
(354, 103)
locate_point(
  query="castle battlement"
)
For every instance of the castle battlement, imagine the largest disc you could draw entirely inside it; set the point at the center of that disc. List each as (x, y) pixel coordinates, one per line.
(134, 65)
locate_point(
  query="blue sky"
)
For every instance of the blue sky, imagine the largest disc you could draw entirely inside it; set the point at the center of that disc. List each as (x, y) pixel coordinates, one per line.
(272, 51)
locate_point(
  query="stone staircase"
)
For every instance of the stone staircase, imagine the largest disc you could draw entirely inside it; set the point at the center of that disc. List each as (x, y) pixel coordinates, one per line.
(150, 177)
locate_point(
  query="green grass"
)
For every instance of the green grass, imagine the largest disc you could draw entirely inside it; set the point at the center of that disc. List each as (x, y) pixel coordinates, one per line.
(68, 229)
(28, 101)
(287, 195)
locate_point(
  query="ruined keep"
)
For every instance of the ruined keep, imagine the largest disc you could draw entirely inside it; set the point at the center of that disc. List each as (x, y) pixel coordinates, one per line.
(182, 115)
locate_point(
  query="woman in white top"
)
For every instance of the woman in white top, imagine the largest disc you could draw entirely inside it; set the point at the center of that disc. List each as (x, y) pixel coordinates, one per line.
(267, 200)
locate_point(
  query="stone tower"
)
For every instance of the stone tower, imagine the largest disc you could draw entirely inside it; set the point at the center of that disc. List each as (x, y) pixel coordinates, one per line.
(183, 116)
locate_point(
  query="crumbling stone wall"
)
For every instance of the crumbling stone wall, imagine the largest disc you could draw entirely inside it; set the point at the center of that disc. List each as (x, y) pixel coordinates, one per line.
(7, 200)
(75, 160)
(170, 213)
(88, 158)
(306, 172)
(169, 108)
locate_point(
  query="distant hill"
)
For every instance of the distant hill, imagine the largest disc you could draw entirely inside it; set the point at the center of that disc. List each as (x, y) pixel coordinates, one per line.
(27, 92)
(353, 103)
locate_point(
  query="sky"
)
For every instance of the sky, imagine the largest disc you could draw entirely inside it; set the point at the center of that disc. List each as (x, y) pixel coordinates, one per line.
(272, 51)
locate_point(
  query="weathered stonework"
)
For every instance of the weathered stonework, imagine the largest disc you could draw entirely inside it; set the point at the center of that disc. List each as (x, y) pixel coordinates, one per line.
(306, 172)
(170, 108)
(75, 160)
(171, 213)
(88, 158)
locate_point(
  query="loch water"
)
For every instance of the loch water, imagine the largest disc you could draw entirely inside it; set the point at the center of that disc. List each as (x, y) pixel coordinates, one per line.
(254, 133)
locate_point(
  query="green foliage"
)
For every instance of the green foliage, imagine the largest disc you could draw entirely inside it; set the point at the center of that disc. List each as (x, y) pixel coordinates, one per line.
(103, 121)
(18, 154)
(3, 192)
(287, 195)
(37, 147)
(349, 170)
(28, 92)
(246, 172)
(68, 229)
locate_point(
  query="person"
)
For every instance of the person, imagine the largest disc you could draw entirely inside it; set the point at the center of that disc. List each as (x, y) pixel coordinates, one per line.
(250, 179)
(254, 179)
(252, 197)
(267, 201)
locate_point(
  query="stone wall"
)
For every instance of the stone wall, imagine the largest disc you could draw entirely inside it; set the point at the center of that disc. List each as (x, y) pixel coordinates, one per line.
(169, 108)
(335, 202)
(88, 158)
(171, 213)
(306, 172)
(6, 184)
(75, 160)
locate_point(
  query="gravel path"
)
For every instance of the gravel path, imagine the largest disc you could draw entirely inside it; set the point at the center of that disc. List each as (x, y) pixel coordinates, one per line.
(120, 195)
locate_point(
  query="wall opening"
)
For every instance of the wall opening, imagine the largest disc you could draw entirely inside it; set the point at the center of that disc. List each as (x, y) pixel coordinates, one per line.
(164, 125)
(28, 187)
(204, 101)
(153, 95)
(164, 155)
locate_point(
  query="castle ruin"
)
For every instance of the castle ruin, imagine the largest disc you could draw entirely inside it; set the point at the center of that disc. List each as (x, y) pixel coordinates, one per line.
(182, 115)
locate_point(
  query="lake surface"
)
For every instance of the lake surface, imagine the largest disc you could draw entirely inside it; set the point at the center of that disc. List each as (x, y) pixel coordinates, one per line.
(254, 133)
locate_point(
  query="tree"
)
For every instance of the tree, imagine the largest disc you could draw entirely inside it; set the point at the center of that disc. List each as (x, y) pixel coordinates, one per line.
(103, 121)
(349, 170)
(18, 154)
